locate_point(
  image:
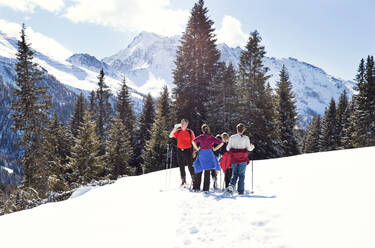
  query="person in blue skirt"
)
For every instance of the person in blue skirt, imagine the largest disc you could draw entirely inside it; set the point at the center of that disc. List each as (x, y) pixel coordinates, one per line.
(206, 159)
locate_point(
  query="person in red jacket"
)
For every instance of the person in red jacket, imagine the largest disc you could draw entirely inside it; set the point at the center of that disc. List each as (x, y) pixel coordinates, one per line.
(225, 160)
(238, 146)
(184, 138)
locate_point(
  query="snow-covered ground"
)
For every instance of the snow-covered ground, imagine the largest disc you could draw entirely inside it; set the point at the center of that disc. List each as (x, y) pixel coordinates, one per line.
(316, 200)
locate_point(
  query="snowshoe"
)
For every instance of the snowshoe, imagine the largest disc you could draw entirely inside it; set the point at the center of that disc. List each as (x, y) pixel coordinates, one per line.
(228, 191)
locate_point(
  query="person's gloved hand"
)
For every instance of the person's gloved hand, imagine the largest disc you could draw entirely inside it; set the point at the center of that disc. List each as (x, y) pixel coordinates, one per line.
(252, 147)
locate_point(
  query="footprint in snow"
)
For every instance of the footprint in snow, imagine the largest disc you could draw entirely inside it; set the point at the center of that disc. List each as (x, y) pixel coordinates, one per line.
(194, 230)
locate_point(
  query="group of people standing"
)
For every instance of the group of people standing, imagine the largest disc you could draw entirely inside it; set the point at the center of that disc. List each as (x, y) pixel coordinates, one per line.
(233, 153)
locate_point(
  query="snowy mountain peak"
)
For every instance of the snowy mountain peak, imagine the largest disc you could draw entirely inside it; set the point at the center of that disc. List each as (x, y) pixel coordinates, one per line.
(87, 61)
(144, 39)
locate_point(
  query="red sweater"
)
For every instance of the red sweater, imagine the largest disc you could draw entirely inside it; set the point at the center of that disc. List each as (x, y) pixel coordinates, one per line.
(238, 156)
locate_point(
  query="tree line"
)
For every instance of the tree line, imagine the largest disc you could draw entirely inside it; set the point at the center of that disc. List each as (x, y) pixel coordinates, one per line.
(349, 123)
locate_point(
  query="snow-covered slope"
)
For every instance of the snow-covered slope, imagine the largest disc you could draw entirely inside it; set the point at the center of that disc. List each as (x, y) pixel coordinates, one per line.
(318, 200)
(149, 62)
(80, 71)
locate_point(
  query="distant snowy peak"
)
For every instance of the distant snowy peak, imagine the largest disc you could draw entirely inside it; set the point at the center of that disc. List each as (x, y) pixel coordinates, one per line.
(145, 41)
(147, 61)
(87, 61)
(229, 54)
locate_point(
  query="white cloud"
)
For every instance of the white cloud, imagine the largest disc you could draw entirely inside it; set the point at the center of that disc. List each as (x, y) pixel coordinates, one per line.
(30, 5)
(231, 32)
(39, 42)
(133, 15)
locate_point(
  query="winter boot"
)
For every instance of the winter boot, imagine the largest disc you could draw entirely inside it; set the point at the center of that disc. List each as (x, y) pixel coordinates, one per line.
(183, 183)
(230, 189)
(215, 183)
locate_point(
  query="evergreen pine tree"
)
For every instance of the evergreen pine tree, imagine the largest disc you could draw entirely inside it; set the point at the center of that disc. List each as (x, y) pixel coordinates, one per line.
(85, 163)
(103, 114)
(255, 103)
(223, 112)
(92, 103)
(286, 115)
(154, 155)
(230, 100)
(347, 127)
(77, 118)
(196, 65)
(146, 120)
(119, 149)
(313, 136)
(164, 107)
(57, 145)
(216, 97)
(104, 108)
(363, 121)
(342, 117)
(29, 114)
(329, 133)
(125, 108)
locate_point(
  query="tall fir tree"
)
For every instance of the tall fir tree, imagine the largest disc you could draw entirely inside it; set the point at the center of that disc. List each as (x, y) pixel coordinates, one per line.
(313, 136)
(329, 132)
(255, 103)
(30, 114)
(124, 107)
(103, 113)
(154, 154)
(363, 121)
(196, 65)
(347, 128)
(215, 97)
(57, 145)
(77, 118)
(223, 112)
(286, 115)
(230, 100)
(341, 117)
(143, 133)
(164, 107)
(85, 163)
(92, 102)
(119, 149)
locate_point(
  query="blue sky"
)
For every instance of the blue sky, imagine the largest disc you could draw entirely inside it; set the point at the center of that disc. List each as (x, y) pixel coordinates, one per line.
(333, 35)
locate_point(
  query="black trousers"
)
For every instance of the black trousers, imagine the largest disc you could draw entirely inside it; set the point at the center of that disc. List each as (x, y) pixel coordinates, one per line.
(198, 180)
(228, 176)
(184, 157)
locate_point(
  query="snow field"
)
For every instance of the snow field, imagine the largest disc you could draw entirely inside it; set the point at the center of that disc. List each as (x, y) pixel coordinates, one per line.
(315, 200)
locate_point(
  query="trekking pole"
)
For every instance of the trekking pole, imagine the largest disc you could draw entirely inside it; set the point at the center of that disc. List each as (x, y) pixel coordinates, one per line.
(252, 177)
(221, 181)
(166, 167)
(170, 166)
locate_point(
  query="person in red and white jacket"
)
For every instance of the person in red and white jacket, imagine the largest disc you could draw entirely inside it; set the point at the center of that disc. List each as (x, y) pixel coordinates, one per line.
(238, 146)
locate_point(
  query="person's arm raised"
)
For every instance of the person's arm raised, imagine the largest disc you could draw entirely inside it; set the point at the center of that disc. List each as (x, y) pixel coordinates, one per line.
(175, 128)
